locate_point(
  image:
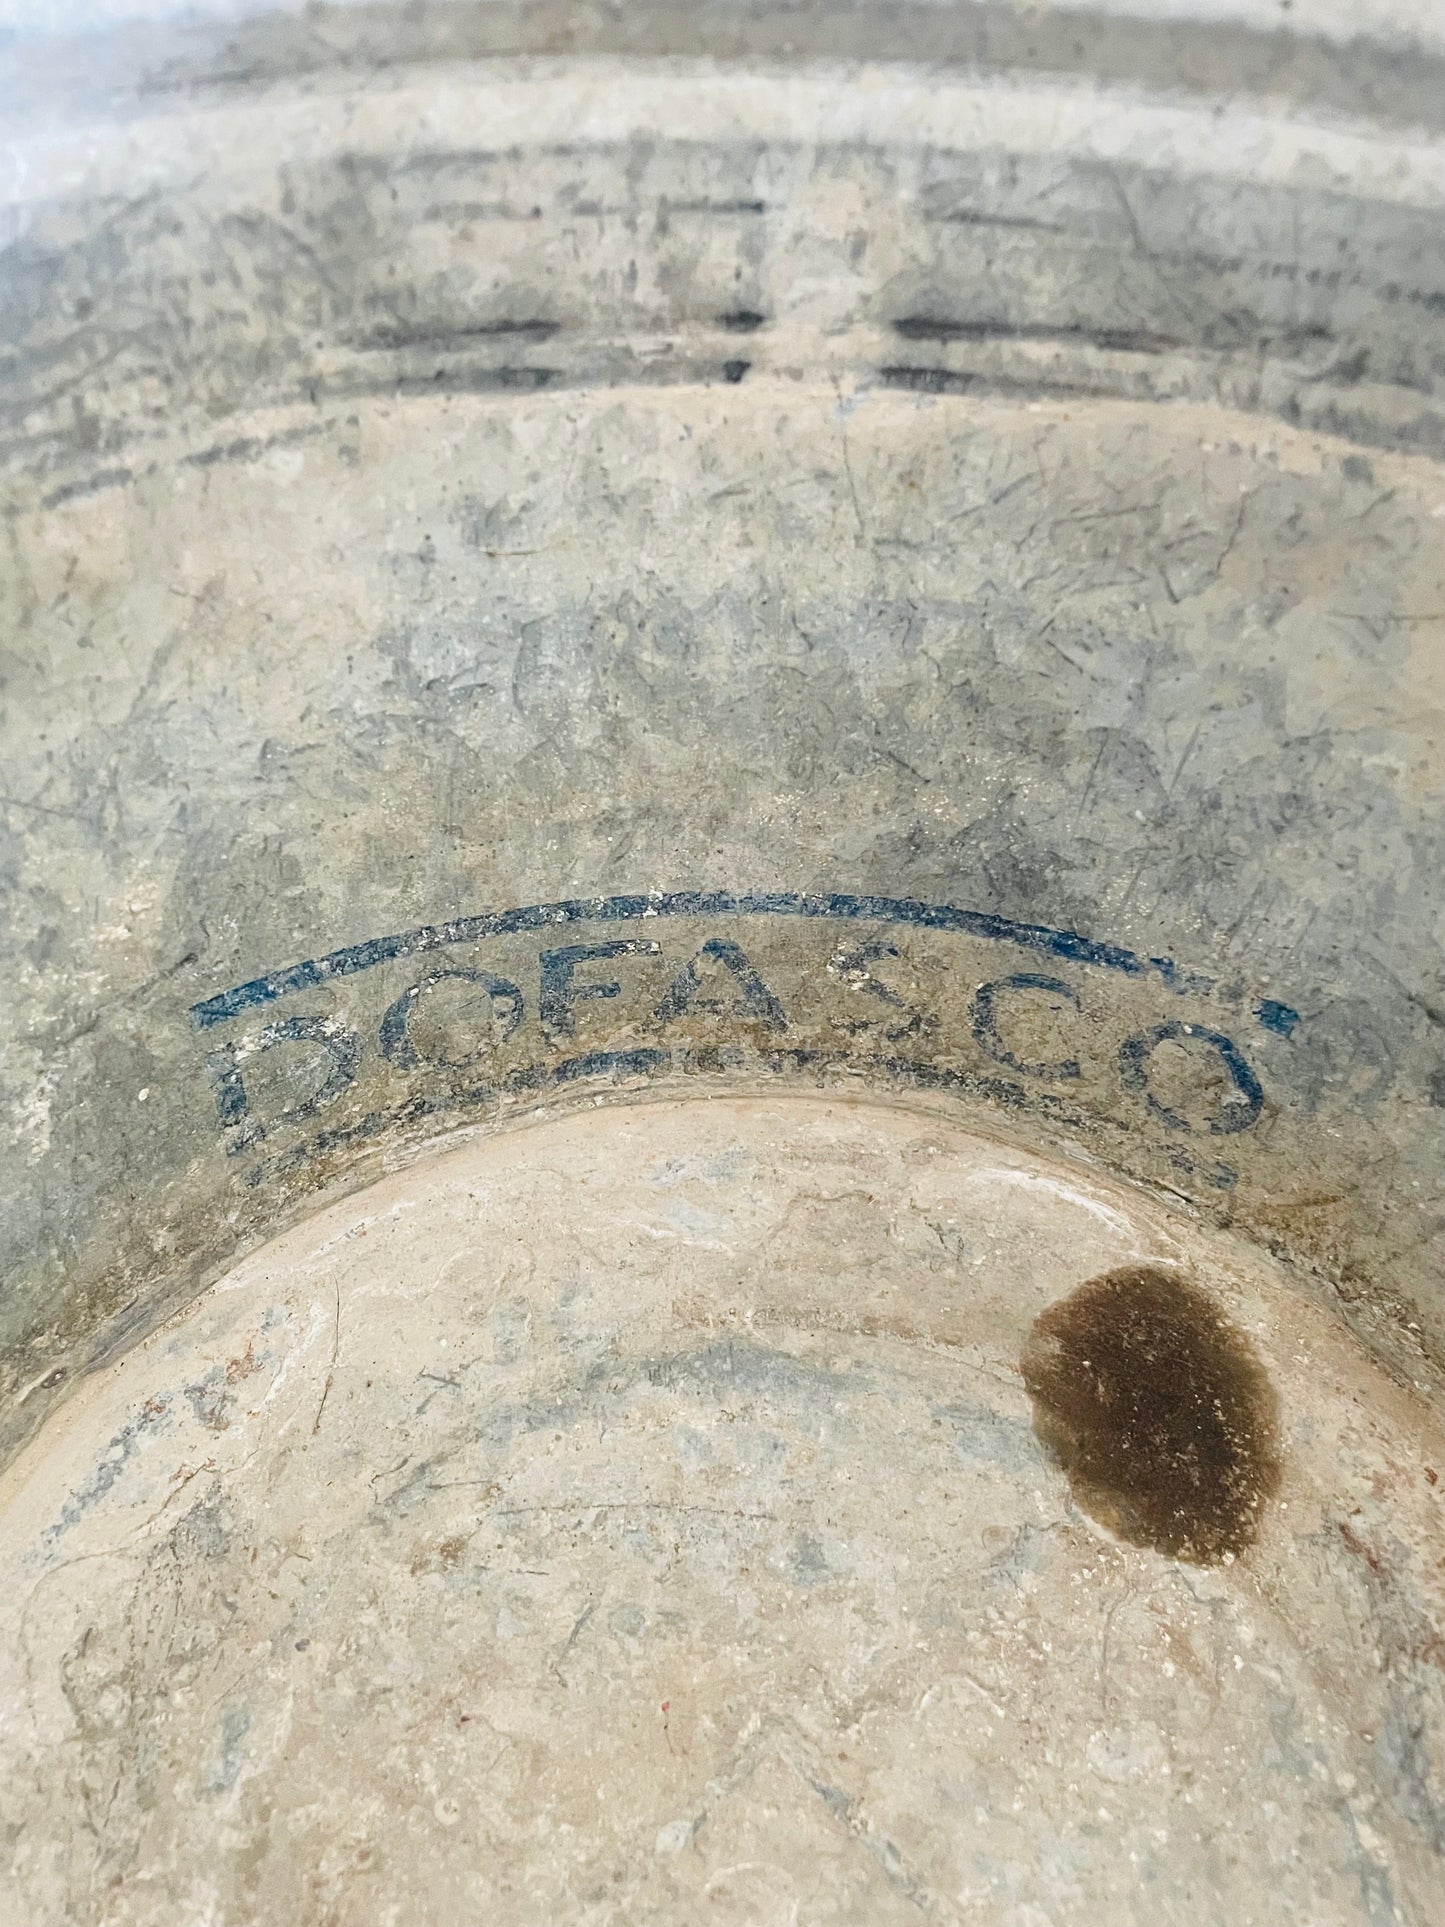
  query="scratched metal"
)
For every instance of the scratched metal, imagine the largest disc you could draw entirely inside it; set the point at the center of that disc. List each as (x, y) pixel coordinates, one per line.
(580, 578)
(947, 577)
(640, 1517)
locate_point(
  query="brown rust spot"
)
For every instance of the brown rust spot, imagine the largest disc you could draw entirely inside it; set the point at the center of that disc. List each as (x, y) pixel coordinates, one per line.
(1157, 1410)
(441, 1558)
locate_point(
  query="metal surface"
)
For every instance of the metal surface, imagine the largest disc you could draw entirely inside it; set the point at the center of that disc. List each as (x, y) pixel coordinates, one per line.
(574, 562)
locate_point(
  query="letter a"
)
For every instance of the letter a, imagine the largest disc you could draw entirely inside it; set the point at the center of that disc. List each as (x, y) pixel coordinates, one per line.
(750, 995)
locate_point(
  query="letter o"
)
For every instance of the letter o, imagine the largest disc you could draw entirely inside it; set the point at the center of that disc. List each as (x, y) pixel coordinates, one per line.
(1239, 1112)
(395, 1034)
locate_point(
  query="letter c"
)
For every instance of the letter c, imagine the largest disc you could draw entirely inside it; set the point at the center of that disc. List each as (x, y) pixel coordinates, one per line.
(985, 1022)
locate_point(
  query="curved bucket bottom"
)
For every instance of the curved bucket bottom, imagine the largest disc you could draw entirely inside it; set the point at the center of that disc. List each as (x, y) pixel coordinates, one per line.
(680, 1512)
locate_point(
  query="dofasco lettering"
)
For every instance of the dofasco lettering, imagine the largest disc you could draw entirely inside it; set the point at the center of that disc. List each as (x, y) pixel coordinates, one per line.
(642, 1003)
